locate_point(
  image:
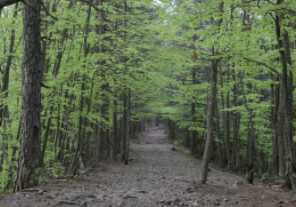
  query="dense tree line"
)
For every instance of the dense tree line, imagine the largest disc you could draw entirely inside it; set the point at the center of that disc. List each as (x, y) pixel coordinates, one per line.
(80, 77)
(245, 49)
(76, 66)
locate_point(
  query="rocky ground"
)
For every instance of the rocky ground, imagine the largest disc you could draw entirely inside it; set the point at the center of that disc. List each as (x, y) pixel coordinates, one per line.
(156, 177)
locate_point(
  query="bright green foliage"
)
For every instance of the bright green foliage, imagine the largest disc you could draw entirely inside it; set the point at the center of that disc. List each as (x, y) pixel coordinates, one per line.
(149, 49)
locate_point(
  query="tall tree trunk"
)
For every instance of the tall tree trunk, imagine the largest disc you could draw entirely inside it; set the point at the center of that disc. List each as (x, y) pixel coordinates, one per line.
(116, 138)
(125, 138)
(104, 130)
(251, 147)
(212, 99)
(225, 99)
(194, 118)
(236, 126)
(77, 159)
(193, 104)
(32, 75)
(275, 139)
(285, 127)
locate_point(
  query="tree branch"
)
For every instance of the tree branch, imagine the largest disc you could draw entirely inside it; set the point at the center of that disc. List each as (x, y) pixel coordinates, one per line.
(93, 5)
(272, 69)
(4, 3)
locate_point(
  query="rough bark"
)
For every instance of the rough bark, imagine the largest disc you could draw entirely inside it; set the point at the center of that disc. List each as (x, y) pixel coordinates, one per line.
(285, 127)
(31, 107)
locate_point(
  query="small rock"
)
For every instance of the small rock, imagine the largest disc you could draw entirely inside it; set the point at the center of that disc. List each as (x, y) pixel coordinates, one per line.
(83, 204)
(129, 196)
(217, 203)
(142, 191)
(225, 200)
(195, 204)
(189, 190)
(237, 184)
(174, 149)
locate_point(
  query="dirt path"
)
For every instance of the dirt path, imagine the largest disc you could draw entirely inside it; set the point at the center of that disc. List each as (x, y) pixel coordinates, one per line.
(157, 176)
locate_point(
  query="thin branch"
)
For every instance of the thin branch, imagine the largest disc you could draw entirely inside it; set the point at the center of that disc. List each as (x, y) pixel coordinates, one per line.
(272, 69)
(93, 5)
(46, 10)
(4, 3)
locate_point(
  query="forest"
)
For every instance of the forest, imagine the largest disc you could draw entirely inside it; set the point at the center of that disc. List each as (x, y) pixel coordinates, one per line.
(82, 80)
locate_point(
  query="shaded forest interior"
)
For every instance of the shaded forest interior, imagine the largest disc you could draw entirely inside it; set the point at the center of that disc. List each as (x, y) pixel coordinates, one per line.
(79, 79)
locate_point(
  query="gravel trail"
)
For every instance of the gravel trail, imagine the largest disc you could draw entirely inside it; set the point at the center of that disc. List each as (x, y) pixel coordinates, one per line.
(157, 176)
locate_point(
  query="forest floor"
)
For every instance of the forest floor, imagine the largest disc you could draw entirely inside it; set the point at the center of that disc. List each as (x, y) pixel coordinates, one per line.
(157, 176)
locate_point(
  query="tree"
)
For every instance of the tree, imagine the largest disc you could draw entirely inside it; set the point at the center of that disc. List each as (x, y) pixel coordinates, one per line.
(211, 121)
(218, 72)
(31, 109)
(287, 168)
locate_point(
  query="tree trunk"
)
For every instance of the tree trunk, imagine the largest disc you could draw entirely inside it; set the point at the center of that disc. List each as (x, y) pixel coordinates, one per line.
(104, 130)
(77, 159)
(236, 126)
(212, 99)
(194, 118)
(251, 147)
(116, 138)
(285, 127)
(275, 139)
(225, 99)
(125, 138)
(32, 75)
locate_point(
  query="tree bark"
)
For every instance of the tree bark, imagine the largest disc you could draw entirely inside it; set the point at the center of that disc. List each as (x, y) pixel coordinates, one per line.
(194, 119)
(31, 108)
(212, 99)
(251, 147)
(116, 138)
(235, 125)
(125, 138)
(275, 139)
(285, 126)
